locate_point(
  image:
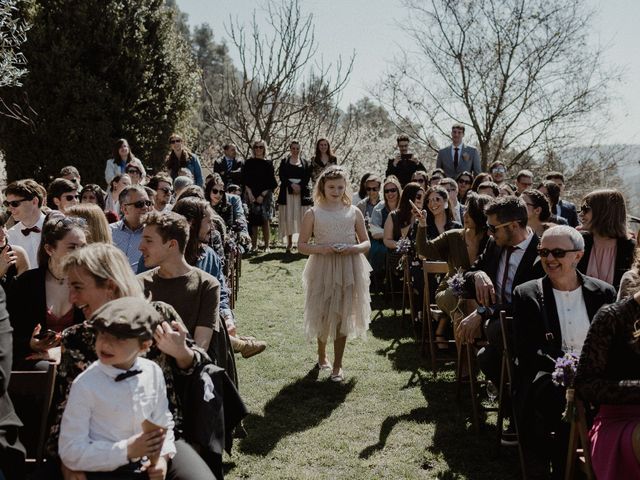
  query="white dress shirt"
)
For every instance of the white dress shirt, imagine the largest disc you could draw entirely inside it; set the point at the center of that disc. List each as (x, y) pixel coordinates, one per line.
(30, 242)
(102, 414)
(514, 262)
(574, 319)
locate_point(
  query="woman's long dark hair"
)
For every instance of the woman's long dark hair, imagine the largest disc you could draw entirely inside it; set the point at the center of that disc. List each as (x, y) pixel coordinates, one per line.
(55, 228)
(409, 192)
(194, 210)
(116, 152)
(318, 154)
(172, 163)
(445, 196)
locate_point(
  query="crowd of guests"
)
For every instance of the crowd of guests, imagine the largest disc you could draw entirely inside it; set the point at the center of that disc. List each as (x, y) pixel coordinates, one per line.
(131, 283)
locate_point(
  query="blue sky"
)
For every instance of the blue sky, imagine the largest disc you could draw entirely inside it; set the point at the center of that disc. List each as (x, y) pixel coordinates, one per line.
(370, 29)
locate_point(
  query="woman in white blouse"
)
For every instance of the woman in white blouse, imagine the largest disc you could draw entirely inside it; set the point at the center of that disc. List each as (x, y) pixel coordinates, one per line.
(551, 317)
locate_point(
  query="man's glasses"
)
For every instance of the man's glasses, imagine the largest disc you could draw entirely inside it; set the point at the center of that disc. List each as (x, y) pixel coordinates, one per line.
(70, 197)
(133, 171)
(175, 140)
(14, 203)
(390, 190)
(373, 189)
(583, 208)
(499, 170)
(494, 228)
(140, 203)
(555, 252)
(215, 191)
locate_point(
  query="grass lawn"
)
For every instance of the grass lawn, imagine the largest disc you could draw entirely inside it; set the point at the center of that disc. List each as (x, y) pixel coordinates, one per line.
(390, 419)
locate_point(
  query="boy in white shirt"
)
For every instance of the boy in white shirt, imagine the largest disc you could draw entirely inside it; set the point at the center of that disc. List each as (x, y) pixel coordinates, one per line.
(101, 429)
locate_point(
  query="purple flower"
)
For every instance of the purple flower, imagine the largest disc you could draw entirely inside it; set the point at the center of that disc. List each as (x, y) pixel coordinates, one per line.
(565, 370)
(404, 245)
(456, 284)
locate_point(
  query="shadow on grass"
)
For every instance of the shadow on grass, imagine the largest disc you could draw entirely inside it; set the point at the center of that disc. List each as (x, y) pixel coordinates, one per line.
(299, 406)
(280, 256)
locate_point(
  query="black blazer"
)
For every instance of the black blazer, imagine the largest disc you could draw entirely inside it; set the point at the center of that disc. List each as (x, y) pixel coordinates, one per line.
(288, 171)
(27, 305)
(529, 268)
(233, 175)
(625, 249)
(568, 211)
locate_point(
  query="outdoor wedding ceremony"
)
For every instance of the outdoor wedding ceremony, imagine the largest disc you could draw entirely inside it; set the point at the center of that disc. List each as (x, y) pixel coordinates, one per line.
(319, 239)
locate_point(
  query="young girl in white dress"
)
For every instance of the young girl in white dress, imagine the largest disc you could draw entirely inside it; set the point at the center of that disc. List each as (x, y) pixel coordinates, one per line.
(336, 277)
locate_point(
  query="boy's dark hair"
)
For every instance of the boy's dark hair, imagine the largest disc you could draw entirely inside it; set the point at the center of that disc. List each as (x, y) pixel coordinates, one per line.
(524, 173)
(475, 206)
(508, 209)
(457, 126)
(28, 189)
(69, 170)
(492, 185)
(170, 226)
(402, 138)
(554, 175)
(194, 210)
(539, 200)
(57, 188)
(160, 177)
(127, 317)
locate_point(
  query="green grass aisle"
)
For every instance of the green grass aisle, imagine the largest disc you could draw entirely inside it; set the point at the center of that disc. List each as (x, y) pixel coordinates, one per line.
(390, 419)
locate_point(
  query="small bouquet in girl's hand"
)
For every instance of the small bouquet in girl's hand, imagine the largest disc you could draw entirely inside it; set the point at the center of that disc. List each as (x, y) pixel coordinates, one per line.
(404, 246)
(564, 376)
(456, 283)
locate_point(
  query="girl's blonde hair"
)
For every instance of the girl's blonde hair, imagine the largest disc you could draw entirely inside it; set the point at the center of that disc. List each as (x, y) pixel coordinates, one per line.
(105, 262)
(97, 224)
(333, 172)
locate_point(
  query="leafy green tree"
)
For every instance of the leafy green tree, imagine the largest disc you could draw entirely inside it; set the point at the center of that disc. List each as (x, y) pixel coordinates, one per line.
(99, 70)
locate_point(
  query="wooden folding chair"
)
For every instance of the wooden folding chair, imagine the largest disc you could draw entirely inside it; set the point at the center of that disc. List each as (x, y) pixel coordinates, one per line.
(37, 387)
(579, 446)
(506, 382)
(430, 310)
(407, 295)
(394, 284)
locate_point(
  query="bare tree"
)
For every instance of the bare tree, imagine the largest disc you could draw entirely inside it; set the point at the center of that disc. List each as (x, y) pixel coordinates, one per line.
(519, 73)
(13, 33)
(279, 92)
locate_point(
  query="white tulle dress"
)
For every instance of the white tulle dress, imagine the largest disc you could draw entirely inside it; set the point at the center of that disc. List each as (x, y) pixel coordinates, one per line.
(337, 301)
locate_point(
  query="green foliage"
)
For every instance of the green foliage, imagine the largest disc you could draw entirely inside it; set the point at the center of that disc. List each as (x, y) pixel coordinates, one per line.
(100, 70)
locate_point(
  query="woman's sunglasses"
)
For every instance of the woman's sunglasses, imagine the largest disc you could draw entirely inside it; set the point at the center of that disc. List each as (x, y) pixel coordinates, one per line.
(215, 191)
(555, 252)
(390, 190)
(465, 182)
(585, 209)
(132, 171)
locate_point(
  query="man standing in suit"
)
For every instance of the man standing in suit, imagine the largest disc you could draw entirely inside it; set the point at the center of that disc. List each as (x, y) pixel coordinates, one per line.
(458, 157)
(404, 164)
(509, 259)
(229, 166)
(564, 208)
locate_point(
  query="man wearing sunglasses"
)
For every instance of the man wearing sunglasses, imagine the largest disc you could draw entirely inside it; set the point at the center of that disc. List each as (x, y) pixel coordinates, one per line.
(127, 233)
(509, 259)
(23, 201)
(162, 185)
(457, 157)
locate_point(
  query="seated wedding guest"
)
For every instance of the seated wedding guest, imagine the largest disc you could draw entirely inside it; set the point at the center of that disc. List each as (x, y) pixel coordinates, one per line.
(457, 208)
(506, 190)
(552, 191)
(72, 174)
(608, 376)
(126, 233)
(97, 274)
(179, 184)
(459, 247)
(538, 210)
(377, 253)
(136, 172)
(564, 208)
(498, 171)
(480, 178)
(61, 194)
(163, 187)
(23, 200)
(608, 250)
(229, 207)
(13, 259)
(551, 317)
(421, 178)
(95, 436)
(437, 174)
(121, 157)
(93, 193)
(402, 222)
(362, 188)
(489, 188)
(38, 302)
(524, 180)
(464, 181)
(97, 226)
(372, 198)
(321, 159)
(117, 184)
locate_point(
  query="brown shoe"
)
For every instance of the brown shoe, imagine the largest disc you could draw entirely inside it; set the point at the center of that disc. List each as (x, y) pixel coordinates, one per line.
(251, 348)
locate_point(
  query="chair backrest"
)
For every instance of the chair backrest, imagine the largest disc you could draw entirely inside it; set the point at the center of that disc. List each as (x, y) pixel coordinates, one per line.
(507, 342)
(31, 393)
(428, 268)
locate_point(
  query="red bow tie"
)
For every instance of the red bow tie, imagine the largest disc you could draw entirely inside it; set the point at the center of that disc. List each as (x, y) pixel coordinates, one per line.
(27, 231)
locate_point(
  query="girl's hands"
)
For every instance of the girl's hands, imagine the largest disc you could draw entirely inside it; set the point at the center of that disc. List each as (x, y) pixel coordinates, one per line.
(421, 215)
(43, 344)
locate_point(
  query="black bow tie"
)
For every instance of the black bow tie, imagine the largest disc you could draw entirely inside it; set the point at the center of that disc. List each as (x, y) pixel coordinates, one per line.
(127, 374)
(27, 231)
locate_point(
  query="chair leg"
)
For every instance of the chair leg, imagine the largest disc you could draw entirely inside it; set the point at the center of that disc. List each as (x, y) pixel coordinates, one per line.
(432, 348)
(473, 385)
(501, 396)
(459, 359)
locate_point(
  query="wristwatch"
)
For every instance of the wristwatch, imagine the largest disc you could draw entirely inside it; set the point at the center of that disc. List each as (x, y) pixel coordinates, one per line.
(484, 312)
